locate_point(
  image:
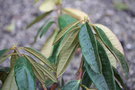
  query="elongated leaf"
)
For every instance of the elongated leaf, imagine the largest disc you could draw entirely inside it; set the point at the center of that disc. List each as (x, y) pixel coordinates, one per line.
(46, 28)
(40, 56)
(39, 18)
(97, 78)
(40, 74)
(2, 52)
(47, 5)
(65, 57)
(86, 81)
(89, 47)
(48, 46)
(64, 21)
(118, 86)
(106, 68)
(72, 85)
(24, 74)
(119, 79)
(67, 41)
(65, 30)
(10, 83)
(110, 46)
(2, 59)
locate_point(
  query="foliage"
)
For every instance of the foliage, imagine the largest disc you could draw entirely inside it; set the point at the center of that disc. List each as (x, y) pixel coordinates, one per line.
(101, 51)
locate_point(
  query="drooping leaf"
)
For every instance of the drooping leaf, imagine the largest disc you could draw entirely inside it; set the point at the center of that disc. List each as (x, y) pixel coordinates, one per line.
(48, 46)
(106, 67)
(2, 52)
(63, 20)
(40, 56)
(72, 85)
(3, 58)
(89, 47)
(39, 18)
(117, 53)
(119, 79)
(118, 86)
(47, 6)
(65, 30)
(4, 71)
(10, 83)
(24, 74)
(67, 41)
(46, 28)
(97, 78)
(65, 57)
(86, 81)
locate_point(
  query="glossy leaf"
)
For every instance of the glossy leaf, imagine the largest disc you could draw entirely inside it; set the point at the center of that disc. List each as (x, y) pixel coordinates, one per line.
(48, 46)
(39, 18)
(10, 83)
(65, 30)
(40, 56)
(46, 28)
(102, 35)
(97, 78)
(72, 85)
(89, 47)
(65, 57)
(24, 74)
(47, 6)
(106, 68)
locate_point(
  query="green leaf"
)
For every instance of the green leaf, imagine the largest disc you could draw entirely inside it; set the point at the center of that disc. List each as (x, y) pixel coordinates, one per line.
(119, 79)
(10, 83)
(102, 35)
(67, 41)
(65, 20)
(3, 58)
(40, 56)
(65, 30)
(46, 28)
(48, 46)
(2, 52)
(86, 81)
(65, 57)
(89, 47)
(106, 67)
(47, 6)
(97, 78)
(4, 71)
(24, 74)
(39, 18)
(72, 85)
(118, 86)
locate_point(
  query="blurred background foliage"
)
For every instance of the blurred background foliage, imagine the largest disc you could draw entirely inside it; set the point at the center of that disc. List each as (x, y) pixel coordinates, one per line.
(118, 15)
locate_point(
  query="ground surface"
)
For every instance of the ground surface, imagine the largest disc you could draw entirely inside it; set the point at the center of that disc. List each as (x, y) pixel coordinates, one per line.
(21, 12)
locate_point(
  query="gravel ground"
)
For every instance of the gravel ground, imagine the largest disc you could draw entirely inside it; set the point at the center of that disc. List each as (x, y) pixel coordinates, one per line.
(21, 12)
